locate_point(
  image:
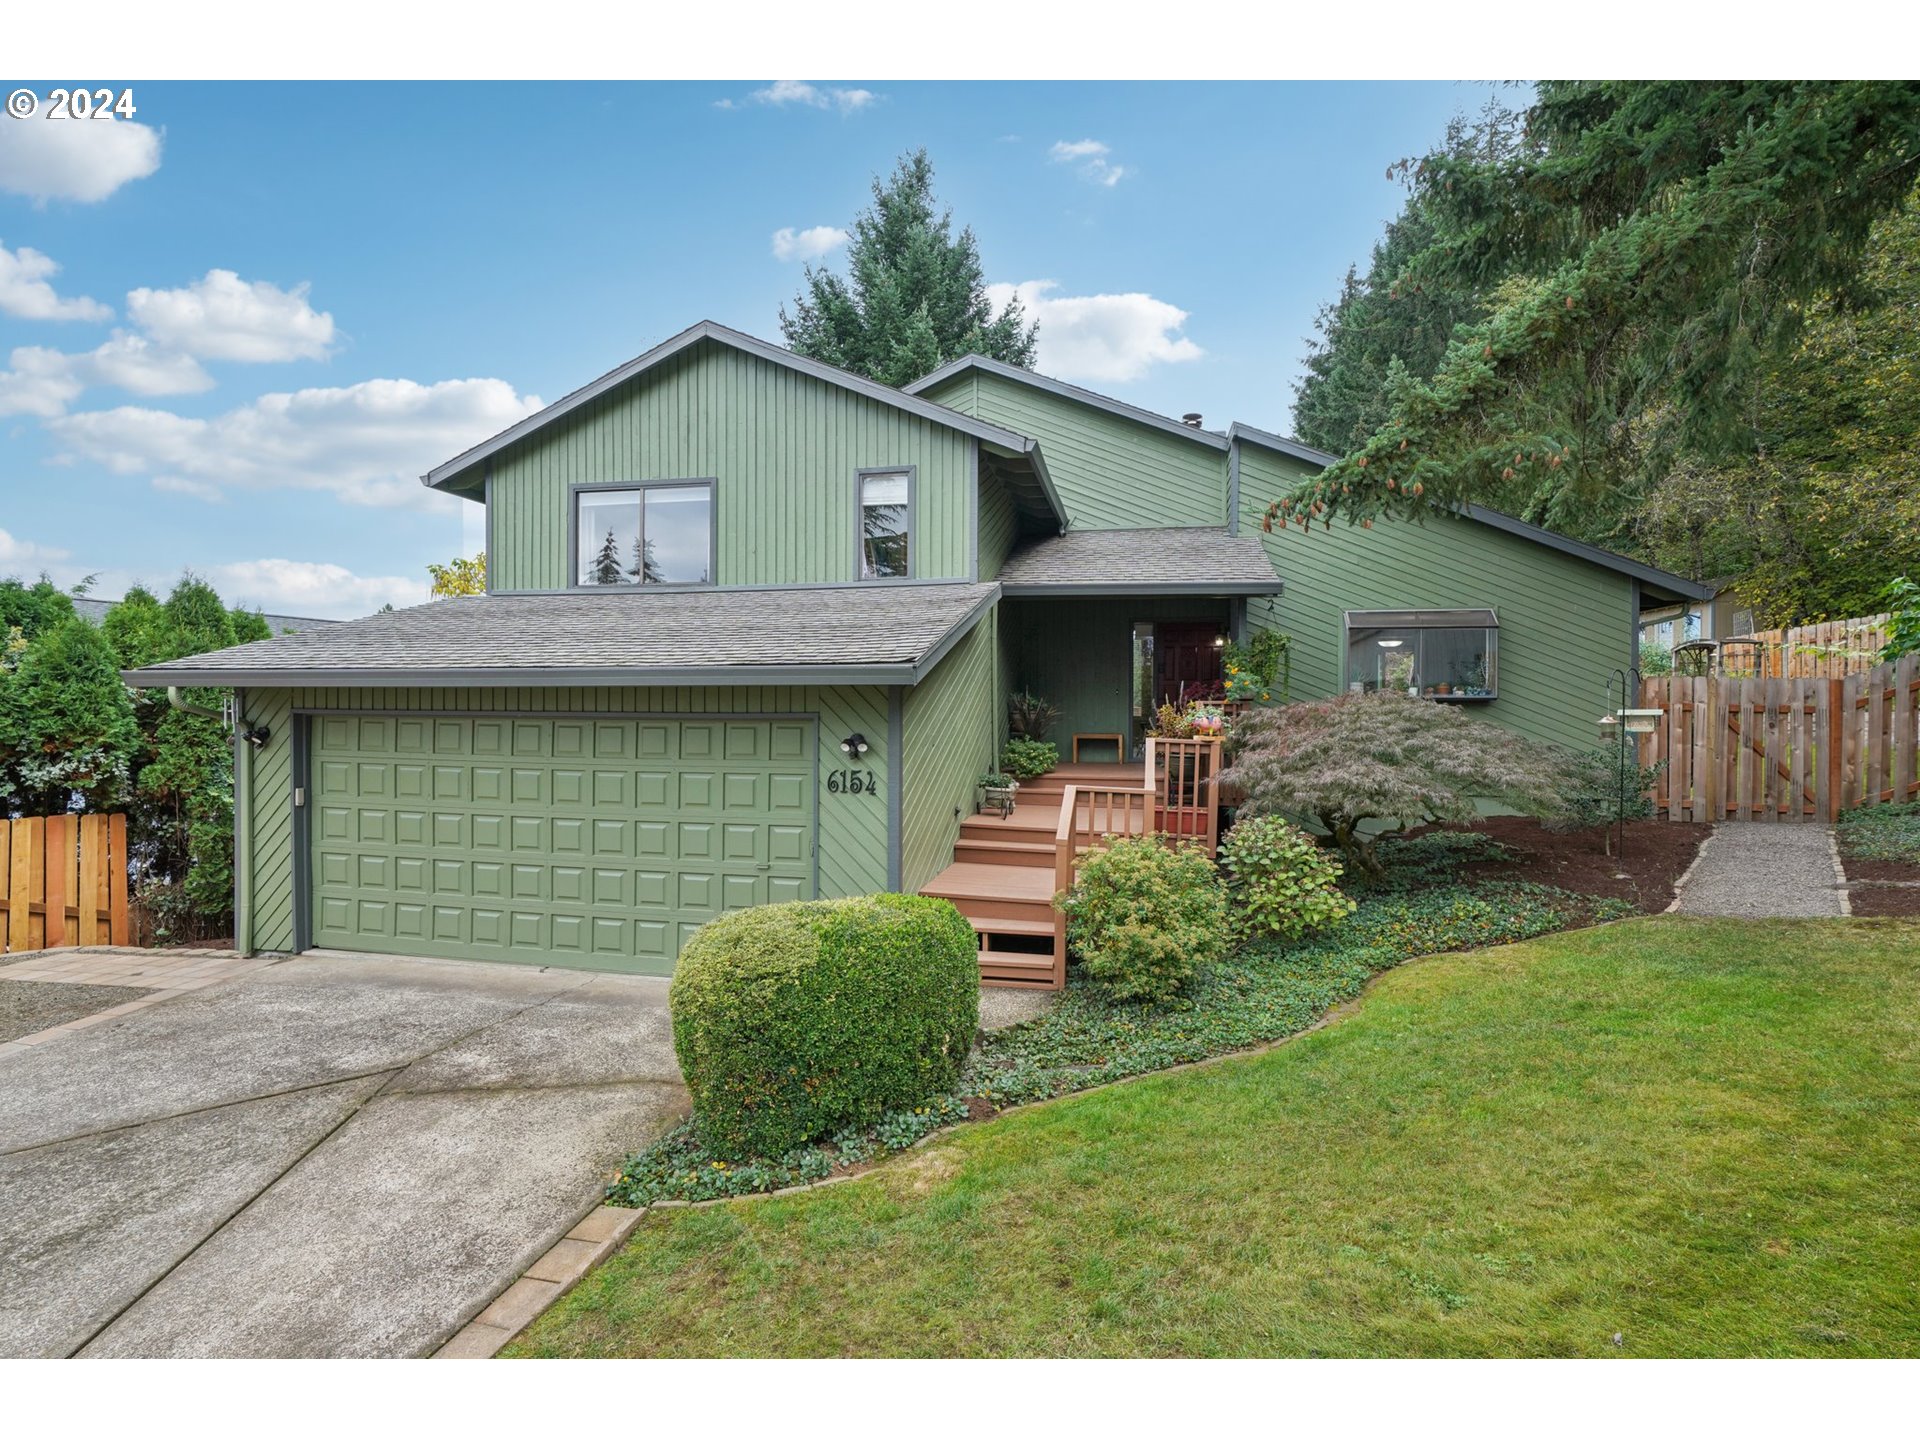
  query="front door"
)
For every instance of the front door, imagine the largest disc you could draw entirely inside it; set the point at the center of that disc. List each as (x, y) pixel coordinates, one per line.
(1186, 660)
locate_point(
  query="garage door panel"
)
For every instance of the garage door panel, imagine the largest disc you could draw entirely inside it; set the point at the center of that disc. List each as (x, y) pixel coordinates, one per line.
(604, 843)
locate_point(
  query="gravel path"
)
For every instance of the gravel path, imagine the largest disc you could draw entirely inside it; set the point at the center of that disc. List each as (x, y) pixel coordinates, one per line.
(1760, 871)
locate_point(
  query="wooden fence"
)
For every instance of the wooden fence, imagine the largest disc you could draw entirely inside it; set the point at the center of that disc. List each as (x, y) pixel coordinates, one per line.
(63, 881)
(1784, 749)
(1830, 650)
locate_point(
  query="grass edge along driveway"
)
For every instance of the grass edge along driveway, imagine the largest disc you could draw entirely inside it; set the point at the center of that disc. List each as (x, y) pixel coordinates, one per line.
(1696, 1135)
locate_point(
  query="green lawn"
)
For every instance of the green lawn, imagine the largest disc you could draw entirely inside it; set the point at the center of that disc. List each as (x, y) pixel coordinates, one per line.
(1700, 1135)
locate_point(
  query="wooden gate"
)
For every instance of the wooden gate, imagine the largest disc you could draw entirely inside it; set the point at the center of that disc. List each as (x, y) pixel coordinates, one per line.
(63, 881)
(1777, 750)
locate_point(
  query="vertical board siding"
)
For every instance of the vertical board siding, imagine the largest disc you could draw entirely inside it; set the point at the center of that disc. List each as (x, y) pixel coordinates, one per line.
(1565, 624)
(782, 447)
(999, 526)
(269, 824)
(1112, 473)
(852, 845)
(951, 733)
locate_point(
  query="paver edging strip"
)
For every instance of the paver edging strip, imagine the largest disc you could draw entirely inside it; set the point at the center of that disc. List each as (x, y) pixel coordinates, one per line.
(1680, 885)
(1842, 884)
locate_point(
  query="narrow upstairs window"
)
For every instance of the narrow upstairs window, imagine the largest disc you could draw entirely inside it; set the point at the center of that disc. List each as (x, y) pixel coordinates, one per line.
(885, 525)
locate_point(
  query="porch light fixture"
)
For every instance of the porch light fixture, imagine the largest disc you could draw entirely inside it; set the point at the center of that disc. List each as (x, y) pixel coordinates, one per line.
(1389, 644)
(1219, 642)
(854, 745)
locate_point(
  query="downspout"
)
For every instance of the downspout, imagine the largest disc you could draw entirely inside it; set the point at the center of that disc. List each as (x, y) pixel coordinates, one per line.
(173, 699)
(242, 828)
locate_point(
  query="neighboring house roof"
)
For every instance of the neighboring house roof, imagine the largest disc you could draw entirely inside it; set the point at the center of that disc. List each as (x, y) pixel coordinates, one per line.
(872, 634)
(1182, 561)
(1212, 439)
(995, 436)
(89, 608)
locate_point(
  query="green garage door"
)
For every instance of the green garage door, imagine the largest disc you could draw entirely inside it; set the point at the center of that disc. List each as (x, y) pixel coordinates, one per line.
(595, 843)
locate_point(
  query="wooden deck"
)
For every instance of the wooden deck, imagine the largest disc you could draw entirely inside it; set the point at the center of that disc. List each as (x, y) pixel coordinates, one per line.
(1007, 870)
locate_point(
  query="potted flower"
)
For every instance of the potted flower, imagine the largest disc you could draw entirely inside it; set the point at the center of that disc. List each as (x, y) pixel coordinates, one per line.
(997, 792)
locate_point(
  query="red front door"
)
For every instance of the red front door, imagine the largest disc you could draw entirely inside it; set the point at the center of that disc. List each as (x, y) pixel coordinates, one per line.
(1186, 661)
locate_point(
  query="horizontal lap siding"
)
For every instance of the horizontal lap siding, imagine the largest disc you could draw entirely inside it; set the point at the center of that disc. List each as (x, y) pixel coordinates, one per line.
(1564, 623)
(783, 447)
(1112, 473)
(852, 828)
(950, 726)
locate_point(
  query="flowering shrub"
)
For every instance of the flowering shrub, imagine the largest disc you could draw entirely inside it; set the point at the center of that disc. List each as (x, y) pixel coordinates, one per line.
(1144, 917)
(1359, 762)
(1280, 882)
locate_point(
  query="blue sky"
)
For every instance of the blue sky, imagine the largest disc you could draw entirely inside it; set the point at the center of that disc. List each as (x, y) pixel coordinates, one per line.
(230, 340)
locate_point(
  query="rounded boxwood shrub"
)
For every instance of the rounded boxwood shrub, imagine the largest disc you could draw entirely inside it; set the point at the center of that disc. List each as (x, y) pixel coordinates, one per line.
(1143, 917)
(1280, 883)
(794, 1021)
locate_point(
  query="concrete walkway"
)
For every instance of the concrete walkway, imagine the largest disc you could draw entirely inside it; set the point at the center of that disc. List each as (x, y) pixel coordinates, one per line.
(332, 1155)
(1760, 871)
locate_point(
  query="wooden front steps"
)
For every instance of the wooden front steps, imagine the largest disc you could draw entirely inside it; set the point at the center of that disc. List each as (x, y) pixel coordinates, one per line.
(1007, 869)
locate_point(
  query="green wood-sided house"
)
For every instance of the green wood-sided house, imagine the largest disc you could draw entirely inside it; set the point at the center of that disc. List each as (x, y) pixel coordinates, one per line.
(751, 627)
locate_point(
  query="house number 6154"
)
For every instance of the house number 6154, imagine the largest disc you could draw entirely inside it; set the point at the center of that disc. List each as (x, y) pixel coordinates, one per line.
(853, 782)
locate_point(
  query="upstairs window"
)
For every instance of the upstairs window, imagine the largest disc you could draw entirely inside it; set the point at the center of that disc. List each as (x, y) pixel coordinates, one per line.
(1440, 654)
(646, 535)
(885, 524)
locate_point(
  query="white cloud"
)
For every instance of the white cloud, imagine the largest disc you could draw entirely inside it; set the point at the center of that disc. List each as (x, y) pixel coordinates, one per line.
(307, 587)
(366, 443)
(809, 244)
(1094, 158)
(45, 382)
(222, 317)
(42, 382)
(15, 553)
(84, 160)
(1100, 337)
(134, 363)
(196, 489)
(783, 93)
(25, 291)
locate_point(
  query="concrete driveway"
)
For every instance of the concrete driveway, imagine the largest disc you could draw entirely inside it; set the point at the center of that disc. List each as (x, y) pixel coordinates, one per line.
(334, 1155)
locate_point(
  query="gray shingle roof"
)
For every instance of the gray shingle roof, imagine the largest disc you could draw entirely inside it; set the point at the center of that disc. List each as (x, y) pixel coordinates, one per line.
(1193, 561)
(871, 634)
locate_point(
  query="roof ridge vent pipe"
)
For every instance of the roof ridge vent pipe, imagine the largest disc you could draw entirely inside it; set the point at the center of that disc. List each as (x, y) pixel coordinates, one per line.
(1191, 418)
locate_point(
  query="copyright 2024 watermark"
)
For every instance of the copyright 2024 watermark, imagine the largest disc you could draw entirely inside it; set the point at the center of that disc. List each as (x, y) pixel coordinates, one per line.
(77, 102)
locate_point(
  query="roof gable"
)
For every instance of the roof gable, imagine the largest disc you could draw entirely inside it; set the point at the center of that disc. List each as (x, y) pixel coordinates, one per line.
(446, 474)
(1211, 439)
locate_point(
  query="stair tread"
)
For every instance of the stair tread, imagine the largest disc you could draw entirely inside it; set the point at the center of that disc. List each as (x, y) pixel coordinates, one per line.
(990, 926)
(968, 880)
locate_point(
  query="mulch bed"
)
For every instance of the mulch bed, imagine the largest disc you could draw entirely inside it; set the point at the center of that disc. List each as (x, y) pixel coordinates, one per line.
(1657, 854)
(1886, 897)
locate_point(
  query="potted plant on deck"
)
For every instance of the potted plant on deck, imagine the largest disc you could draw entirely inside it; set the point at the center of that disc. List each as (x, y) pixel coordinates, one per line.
(997, 790)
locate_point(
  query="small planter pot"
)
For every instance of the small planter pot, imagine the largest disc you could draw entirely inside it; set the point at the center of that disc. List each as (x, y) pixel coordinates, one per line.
(998, 797)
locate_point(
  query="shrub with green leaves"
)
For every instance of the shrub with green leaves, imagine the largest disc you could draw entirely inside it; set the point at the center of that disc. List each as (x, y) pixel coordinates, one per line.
(1025, 759)
(1143, 917)
(1598, 787)
(1280, 883)
(794, 1021)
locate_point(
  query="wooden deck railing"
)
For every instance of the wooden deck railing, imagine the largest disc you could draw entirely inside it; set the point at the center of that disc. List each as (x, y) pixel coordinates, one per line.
(63, 881)
(1182, 774)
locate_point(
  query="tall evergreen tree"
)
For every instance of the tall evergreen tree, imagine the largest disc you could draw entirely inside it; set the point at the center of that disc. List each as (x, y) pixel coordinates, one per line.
(606, 565)
(1659, 243)
(914, 297)
(67, 733)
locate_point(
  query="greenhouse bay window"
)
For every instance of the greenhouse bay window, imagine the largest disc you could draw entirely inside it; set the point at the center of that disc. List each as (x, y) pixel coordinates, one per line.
(1439, 654)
